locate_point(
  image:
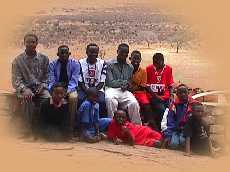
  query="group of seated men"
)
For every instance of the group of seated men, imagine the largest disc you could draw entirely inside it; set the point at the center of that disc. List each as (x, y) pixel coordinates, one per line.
(128, 103)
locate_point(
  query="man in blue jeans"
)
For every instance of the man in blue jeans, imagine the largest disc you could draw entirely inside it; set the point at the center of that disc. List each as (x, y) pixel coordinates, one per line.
(177, 116)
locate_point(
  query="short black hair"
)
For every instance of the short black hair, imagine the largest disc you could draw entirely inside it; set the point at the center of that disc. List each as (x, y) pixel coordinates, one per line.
(125, 111)
(136, 52)
(92, 91)
(56, 85)
(31, 35)
(123, 45)
(63, 46)
(158, 56)
(91, 45)
(182, 85)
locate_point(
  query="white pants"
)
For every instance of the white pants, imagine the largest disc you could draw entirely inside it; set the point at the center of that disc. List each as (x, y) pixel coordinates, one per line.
(125, 100)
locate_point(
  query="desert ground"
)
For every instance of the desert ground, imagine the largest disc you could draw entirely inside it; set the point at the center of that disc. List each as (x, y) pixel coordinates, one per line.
(189, 66)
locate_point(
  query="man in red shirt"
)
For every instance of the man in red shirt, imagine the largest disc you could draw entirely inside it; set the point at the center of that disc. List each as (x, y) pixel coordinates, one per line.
(159, 85)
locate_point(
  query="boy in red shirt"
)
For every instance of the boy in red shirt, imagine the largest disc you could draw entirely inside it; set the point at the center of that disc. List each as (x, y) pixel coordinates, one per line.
(159, 85)
(122, 131)
(137, 87)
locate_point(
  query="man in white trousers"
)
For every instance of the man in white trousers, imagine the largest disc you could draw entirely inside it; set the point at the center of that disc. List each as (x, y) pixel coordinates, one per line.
(119, 72)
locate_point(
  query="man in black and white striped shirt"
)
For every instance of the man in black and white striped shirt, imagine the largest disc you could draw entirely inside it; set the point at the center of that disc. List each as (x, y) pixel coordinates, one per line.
(93, 74)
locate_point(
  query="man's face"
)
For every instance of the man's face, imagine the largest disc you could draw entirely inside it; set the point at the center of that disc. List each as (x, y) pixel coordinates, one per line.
(120, 117)
(182, 93)
(122, 53)
(158, 63)
(63, 53)
(30, 43)
(92, 54)
(93, 98)
(136, 60)
(58, 94)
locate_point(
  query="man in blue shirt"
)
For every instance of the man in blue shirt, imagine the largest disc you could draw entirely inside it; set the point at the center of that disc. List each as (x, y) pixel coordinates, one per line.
(177, 116)
(66, 70)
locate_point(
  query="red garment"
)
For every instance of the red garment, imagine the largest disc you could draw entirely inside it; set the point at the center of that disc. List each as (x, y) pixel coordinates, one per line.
(142, 135)
(164, 77)
(188, 111)
(141, 97)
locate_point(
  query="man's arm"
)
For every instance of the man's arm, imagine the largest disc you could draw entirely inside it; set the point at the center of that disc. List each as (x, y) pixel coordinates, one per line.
(82, 86)
(103, 77)
(170, 124)
(171, 84)
(154, 95)
(128, 135)
(51, 75)
(187, 146)
(111, 82)
(100, 86)
(96, 119)
(44, 79)
(17, 78)
(188, 132)
(73, 82)
(142, 84)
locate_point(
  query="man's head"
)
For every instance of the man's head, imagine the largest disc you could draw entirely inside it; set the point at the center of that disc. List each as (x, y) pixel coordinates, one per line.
(182, 93)
(122, 53)
(197, 110)
(63, 53)
(120, 117)
(58, 92)
(135, 58)
(158, 60)
(92, 51)
(92, 94)
(30, 42)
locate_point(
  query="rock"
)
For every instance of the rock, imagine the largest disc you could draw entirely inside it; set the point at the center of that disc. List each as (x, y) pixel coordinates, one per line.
(217, 129)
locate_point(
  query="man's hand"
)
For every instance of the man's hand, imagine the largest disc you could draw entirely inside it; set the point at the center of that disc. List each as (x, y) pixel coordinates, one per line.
(27, 95)
(124, 130)
(171, 98)
(124, 87)
(148, 88)
(39, 89)
(117, 141)
(126, 133)
(165, 142)
(98, 138)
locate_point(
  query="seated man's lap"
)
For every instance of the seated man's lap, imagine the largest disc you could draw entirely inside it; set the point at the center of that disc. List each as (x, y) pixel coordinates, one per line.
(73, 95)
(141, 97)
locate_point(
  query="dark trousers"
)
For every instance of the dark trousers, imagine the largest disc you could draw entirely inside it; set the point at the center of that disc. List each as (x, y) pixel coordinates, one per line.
(158, 107)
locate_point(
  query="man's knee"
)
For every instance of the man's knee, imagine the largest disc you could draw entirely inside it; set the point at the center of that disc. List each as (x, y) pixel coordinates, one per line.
(111, 101)
(133, 104)
(73, 96)
(44, 94)
(109, 98)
